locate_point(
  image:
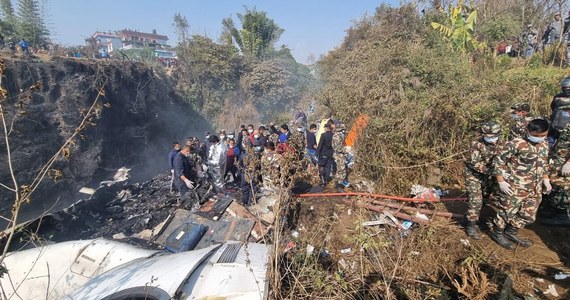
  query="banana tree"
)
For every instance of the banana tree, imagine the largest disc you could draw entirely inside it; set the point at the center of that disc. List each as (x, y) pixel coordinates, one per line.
(460, 27)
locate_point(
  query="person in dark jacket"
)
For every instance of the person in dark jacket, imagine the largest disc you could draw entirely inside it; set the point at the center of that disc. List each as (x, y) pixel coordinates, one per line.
(183, 171)
(171, 155)
(312, 143)
(325, 152)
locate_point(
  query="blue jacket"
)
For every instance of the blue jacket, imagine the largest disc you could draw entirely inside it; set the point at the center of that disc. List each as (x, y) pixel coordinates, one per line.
(171, 156)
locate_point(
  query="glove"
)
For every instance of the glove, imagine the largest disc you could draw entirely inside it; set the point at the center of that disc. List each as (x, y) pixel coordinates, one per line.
(565, 169)
(172, 171)
(189, 183)
(506, 188)
(547, 186)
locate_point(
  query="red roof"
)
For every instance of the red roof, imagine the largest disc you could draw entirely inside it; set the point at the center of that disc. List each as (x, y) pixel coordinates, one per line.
(96, 34)
(149, 36)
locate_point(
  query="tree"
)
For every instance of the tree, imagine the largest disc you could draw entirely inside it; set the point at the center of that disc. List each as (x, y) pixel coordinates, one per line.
(8, 22)
(31, 25)
(257, 35)
(460, 29)
(7, 9)
(182, 27)
(211, 70)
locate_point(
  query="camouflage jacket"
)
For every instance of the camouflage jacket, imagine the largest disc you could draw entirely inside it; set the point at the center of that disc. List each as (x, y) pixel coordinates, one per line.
(481, 156)
(521, 162)
(518, 129)
(561, 152)
(338, 142)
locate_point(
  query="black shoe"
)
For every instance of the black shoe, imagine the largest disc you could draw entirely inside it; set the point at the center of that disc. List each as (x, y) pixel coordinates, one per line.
(512, 234)
(500, 238)
(472, 230)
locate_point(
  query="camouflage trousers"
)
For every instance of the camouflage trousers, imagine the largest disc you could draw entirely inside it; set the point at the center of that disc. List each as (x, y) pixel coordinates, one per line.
(340, 161)
(517, 210)
(478, 186)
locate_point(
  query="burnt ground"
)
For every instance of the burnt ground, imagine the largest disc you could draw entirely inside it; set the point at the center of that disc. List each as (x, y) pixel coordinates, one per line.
(119, 209)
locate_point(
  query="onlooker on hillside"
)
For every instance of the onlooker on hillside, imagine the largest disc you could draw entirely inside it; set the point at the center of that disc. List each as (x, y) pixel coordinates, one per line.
(552, 33)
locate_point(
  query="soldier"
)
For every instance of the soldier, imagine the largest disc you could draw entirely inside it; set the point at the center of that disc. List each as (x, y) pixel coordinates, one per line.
(270, 168)
(556, 203)
(478, 169)
(521, 115)
(521, 169)
(560, 107)
(340, 155)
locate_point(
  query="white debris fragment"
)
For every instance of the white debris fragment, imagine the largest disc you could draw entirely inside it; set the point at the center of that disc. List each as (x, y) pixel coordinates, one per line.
(346, 250)
(310, 249)
(539, 280)
(551, 291)
(465, 242)
(561, 276)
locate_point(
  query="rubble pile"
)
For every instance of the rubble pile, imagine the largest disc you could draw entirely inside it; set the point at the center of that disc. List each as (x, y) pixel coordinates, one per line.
(116, 209)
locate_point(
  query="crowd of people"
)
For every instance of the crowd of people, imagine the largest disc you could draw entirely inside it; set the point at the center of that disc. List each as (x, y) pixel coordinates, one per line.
(531, 166)
(529, 41)
(254, 159)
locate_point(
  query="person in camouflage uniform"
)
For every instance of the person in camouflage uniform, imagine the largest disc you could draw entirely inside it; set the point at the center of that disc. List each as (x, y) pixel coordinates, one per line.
(521, 169)
(521, 115)
(270, 169)
(339, 154)
(477, 171)
(556, 202)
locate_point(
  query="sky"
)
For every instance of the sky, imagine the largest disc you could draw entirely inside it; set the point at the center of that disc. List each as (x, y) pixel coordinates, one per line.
(311, 27)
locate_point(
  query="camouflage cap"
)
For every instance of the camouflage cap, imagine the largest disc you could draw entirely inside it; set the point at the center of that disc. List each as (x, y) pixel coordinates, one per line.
(490, 128)
(521, 107)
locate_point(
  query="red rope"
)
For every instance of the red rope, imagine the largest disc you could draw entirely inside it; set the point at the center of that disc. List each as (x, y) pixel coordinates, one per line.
(358, 194)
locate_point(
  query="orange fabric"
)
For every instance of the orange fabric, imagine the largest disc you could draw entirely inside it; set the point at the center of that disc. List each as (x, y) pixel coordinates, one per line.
(356, 130)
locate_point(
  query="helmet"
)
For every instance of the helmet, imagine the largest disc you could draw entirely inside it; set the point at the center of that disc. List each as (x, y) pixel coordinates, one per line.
(565, 83)
(490, 128)
(521, 107)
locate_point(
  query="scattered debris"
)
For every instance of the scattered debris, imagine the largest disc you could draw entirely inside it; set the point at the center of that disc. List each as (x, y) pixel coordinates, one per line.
(465, 242)
(422, 192)
(551, 291)
(86, 190)
(310, 249)
(346, 250)
(561, 276)
(539, 280)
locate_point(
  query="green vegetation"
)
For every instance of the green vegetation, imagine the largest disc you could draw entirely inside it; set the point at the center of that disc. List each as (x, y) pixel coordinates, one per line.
(425, 94)
(243, 78)
(27, 23)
